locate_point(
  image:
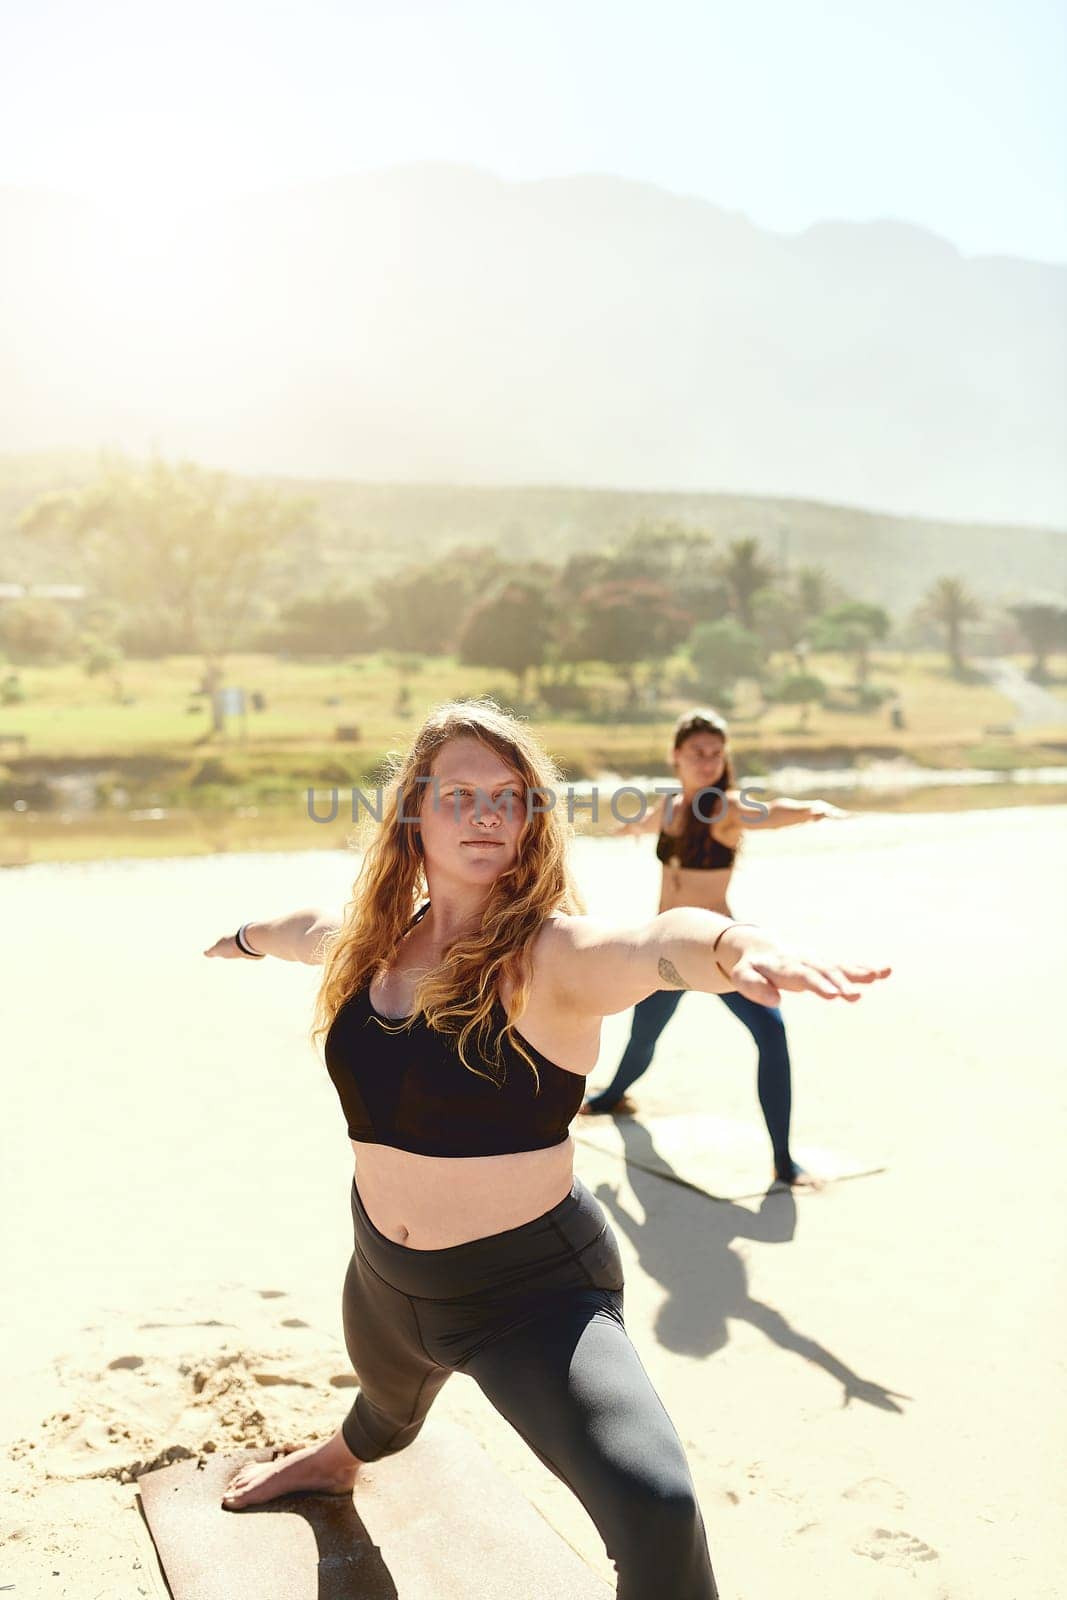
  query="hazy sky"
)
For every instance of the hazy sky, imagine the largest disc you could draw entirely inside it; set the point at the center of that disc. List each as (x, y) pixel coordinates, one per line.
(947, 113)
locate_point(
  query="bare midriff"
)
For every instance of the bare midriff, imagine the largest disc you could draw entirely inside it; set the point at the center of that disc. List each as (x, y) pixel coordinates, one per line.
(433, 1202)
(687, 886)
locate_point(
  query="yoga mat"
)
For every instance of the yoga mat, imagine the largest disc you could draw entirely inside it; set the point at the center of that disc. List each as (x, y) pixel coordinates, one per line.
(437, 1522)
(726, 1160)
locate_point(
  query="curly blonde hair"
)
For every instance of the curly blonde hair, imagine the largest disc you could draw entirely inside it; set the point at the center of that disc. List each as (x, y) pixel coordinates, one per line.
(460, 994)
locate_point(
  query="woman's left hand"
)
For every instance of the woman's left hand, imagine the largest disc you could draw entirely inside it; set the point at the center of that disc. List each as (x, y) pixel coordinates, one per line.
(824, 810)
(763, 970)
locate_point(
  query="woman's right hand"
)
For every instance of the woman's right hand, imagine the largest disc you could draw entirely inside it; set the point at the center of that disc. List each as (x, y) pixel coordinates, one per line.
(298, 936)
(227, 949)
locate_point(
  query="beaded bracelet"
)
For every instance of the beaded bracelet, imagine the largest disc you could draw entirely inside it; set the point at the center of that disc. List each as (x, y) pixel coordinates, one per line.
(244, 946)
(719, 935)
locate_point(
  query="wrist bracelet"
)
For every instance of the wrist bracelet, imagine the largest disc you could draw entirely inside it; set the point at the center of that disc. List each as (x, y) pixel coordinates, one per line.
(719, 935)
(244, 946)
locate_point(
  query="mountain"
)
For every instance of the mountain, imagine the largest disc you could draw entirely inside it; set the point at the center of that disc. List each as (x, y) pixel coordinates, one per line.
(365, 530)
(438, 324)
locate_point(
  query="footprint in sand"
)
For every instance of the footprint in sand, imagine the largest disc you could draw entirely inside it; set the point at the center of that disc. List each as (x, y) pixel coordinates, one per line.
(269, 1380)
(125, 1364)
(899, 1549)
(344, 1380)
(212, 1322)
(877, 1492)
(295, 1322)
(271, 1294)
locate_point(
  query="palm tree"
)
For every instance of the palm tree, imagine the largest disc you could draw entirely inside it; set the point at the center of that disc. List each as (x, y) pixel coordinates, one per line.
(814, 591)
(950, 604)
(746, 572)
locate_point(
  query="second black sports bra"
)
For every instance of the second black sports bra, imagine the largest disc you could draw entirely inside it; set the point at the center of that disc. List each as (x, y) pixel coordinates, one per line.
(695, 847)
(408, 1088)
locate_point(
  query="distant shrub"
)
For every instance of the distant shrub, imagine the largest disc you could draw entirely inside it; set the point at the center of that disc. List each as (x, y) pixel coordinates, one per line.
(333, 772)
(566, 696)
(33, 792)
(868, 696)
(37, 631)
(213, 770)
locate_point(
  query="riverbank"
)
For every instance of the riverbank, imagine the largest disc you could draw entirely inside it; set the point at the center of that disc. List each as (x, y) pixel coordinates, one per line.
(322, 819)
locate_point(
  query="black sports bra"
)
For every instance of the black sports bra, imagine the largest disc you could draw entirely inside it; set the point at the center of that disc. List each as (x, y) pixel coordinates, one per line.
(409, 1089)
(696, 847)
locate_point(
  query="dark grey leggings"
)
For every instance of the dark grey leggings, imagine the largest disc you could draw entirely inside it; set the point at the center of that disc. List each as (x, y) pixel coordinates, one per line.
(534, 1315)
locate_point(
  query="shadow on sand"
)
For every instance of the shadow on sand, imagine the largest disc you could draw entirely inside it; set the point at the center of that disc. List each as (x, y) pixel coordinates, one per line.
(706, 1281)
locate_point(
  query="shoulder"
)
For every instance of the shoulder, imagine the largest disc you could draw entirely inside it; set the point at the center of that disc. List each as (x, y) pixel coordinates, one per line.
(583, 968)
(564, 933)
(742, 811)
(561, 942)
(554, 944)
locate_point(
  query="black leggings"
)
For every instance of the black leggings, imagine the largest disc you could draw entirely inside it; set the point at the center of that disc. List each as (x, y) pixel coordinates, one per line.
(534, 1315)
(773, 1078)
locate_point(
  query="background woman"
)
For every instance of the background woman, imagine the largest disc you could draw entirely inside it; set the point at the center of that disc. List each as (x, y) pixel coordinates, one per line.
(699, 835)
(475, 1249)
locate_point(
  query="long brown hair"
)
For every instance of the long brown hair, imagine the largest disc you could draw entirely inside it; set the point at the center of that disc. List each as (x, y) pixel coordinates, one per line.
(460, 994)
(702, 719)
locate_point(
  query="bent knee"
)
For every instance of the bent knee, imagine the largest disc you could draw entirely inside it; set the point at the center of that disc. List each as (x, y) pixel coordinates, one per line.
(658, 1514)
(676, 1510)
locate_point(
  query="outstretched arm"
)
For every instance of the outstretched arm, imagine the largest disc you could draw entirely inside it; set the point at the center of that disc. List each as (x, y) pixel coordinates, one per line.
(599, 968)
(651, 822)
(296, 937)
(783, 813)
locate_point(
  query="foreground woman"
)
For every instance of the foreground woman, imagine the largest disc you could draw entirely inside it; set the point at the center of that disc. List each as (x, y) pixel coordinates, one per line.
(475, 1249)
(700, 831)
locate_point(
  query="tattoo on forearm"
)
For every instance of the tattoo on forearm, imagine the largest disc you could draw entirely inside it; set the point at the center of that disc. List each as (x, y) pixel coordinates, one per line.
(672, 978)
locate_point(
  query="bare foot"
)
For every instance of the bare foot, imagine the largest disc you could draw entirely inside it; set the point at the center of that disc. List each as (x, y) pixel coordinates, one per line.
(623, 1107)
(328, 1468)
(800, 1179)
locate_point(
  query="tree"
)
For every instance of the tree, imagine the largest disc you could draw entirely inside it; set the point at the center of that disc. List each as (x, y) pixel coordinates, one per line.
(706, 597)
(422, 608)
(949, 604)
(814, 591)
(37, 630)
(623, 622)
(745, 572)
(852, 628)
(778, 619)
(802, 689)
(723, 651)
(1045, 627)
(103, 656)
(184, 549)
(511, 629)
(668, 551)
(325, 624)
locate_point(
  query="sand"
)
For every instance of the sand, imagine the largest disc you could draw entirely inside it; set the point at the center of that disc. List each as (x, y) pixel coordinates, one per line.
(868, 1380)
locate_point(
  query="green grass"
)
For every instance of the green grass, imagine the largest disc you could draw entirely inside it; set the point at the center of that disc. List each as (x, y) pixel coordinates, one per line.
(160, 752)
(68, 715)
